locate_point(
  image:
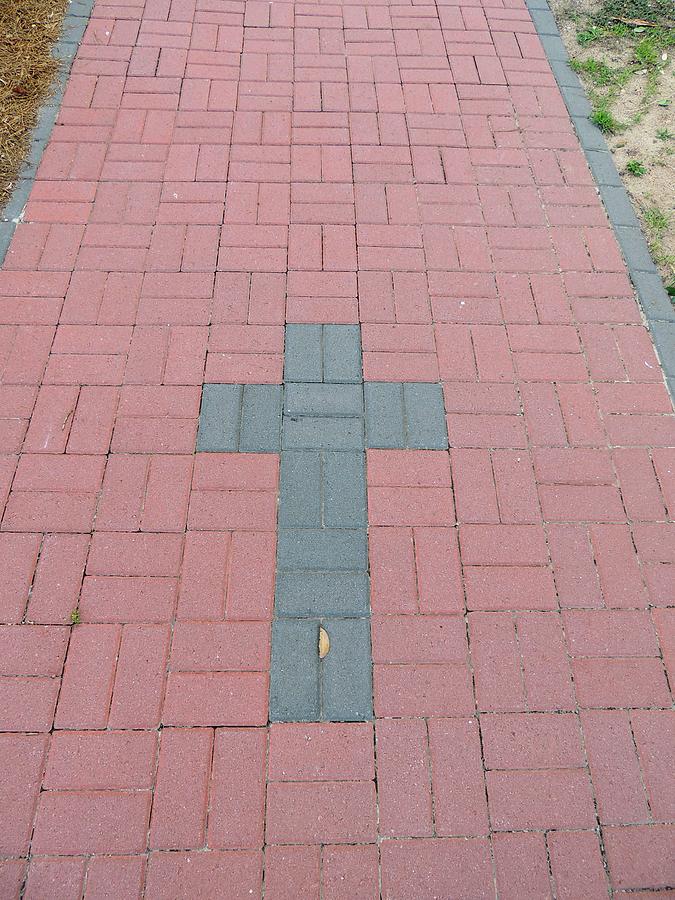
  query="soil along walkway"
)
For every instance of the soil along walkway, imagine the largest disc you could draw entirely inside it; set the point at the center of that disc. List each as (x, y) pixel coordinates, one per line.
(315, 321)
(28, 30)
(623, 51)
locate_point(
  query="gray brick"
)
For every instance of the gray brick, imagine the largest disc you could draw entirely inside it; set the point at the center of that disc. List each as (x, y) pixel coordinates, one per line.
(300, 489)
(384, 415)
(576, 101)
(312, 433)
(76, 9)
(664, 339)
(322, 550)
(344, 490)
(557, 53)
(16, 203)
(544, 21)
(346, 672)
(603, 168)
(307, 399)
(342, 354)
(294, 672)
(589, 135)
(80, 8)
(322, 594)
(219, 418)
(303, 353)
(565, 77)
(618, 206)
(653, 297)
(261, 418)
(425, 416)
(6, 233)
(45, 123)
(634, 248)
(65, 51)
(74, 28)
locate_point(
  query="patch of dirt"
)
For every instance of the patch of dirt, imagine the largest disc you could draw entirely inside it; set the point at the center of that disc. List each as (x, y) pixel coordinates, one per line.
(28, 30)
(642, 100)
(655, 190)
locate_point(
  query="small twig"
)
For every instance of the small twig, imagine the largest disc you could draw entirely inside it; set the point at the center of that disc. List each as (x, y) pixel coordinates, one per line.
(643, 23)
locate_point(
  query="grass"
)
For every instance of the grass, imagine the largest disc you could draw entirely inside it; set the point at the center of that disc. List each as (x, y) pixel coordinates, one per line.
(624, 58)
(656, 220)
(603, 117)
(641, 33)
(647, 54)
(657, 223)
(600, 73)
(28, 30)
(75, 617)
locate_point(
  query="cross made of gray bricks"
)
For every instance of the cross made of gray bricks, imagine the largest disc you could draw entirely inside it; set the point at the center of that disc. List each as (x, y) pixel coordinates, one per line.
(321, 420)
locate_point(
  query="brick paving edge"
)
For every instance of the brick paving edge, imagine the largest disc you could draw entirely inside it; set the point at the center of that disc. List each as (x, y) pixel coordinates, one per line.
(65, 49)
(655, 302)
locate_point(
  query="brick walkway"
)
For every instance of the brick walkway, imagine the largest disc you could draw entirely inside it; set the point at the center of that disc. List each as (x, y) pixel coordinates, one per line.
(221, 168)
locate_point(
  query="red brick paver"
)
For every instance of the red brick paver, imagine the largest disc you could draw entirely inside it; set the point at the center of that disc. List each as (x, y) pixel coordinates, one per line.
(221, 169)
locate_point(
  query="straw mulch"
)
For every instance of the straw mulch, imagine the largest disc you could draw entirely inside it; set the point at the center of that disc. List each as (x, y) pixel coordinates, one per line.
(28, 29)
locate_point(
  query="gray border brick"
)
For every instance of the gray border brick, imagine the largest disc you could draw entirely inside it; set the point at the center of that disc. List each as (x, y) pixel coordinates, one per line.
(655, 301)
(664, 338)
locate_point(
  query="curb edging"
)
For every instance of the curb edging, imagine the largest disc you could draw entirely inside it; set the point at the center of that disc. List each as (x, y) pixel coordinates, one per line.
(656, 305)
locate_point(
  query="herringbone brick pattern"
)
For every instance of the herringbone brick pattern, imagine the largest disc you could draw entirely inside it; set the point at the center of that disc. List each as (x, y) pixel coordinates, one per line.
(221, 168)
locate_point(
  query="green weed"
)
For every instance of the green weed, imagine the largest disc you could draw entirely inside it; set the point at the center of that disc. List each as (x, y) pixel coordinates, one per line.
(646, 53)
(603, 117)
(588, 35)
(600, 73)
(656, 220)
(635, 167)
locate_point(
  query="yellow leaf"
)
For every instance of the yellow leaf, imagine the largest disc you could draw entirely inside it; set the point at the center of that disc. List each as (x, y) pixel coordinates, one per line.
(324, 642)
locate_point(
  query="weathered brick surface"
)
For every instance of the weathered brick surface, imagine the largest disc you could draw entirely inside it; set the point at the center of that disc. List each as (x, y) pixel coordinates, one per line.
(217, 178)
